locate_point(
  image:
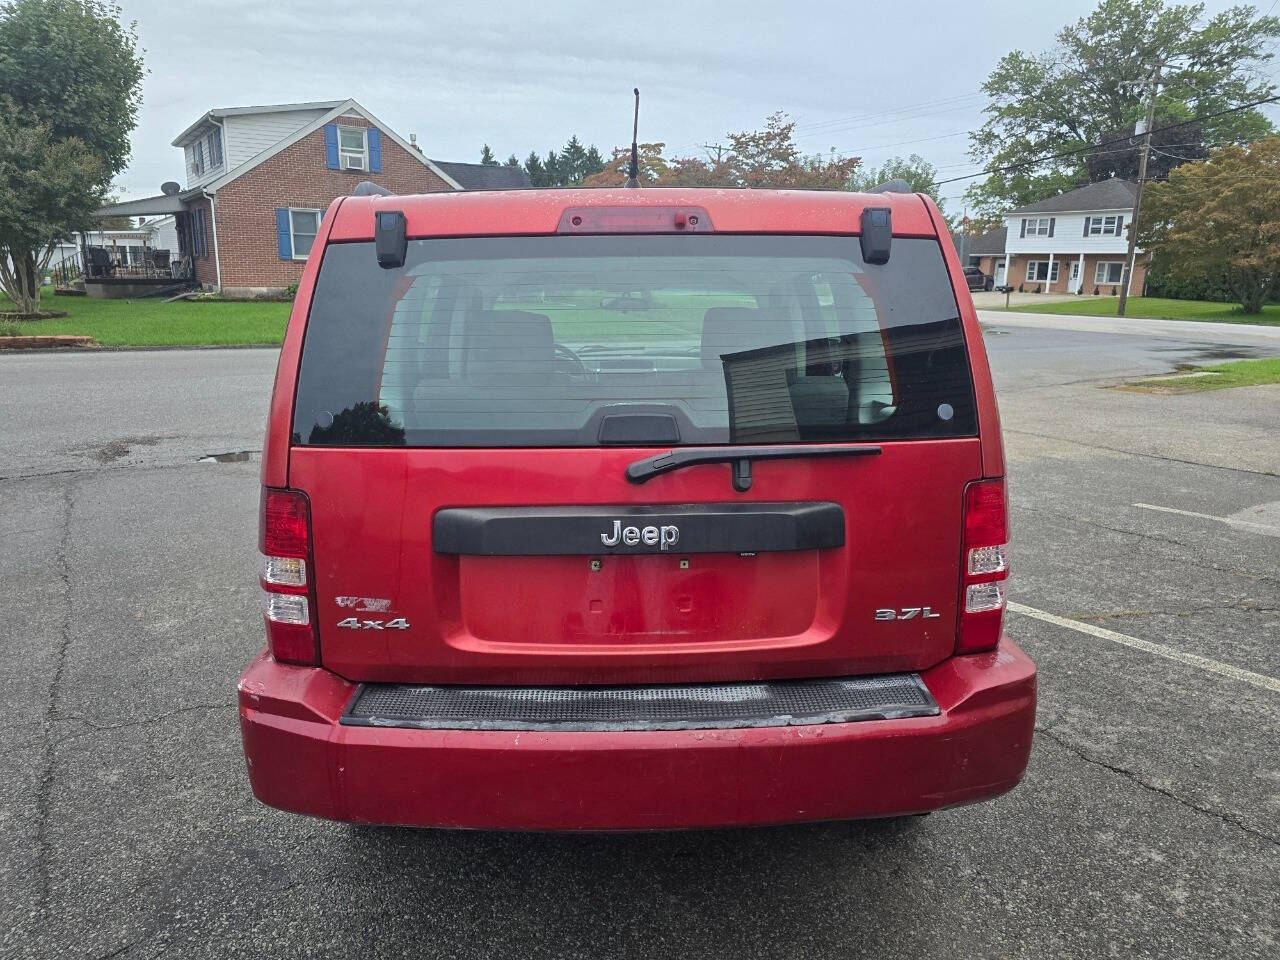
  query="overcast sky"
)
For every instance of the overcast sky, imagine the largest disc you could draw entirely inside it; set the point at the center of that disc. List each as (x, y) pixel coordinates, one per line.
(872, 80)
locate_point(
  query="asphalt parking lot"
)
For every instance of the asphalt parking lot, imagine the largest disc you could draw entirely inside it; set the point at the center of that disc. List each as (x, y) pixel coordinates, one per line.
(1147, 584)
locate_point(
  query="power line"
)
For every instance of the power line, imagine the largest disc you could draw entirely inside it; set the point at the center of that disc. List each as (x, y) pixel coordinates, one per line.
(902, 143)
(909, 108)
(1008, 168)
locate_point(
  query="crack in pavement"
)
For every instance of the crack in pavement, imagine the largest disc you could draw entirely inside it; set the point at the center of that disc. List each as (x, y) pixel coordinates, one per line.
(1135, 453)
(108, 468)
(44, 788)
(144, 721)
(1191, 558)
(1128, 774)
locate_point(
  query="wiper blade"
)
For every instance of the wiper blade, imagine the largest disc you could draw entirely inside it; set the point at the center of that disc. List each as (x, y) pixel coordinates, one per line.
(740, 457)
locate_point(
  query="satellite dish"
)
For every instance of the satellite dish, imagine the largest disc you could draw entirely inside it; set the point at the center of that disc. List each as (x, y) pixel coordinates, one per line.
(170, 189)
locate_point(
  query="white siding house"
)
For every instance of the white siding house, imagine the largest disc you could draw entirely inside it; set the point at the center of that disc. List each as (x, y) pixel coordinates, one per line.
(1075, 242)
(223, 139)
(248, 135)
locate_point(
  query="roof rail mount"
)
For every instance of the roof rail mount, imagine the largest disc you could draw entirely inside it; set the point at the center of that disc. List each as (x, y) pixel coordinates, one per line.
(892, 186)
(367, 188)
(389, 238)
(877, 234)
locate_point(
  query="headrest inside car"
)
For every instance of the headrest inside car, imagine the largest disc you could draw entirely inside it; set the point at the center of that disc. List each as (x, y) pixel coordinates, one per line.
(727, 330)
(508, 341)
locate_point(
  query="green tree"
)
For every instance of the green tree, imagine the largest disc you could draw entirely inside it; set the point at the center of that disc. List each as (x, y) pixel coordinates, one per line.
(1220, 220)
(553, 175)
(70, 85)
(918, 172)
(534, 168)
(486, 157)
(593, 162)
(1173, 143)
(573, 161)
(513, 161)
(1096, 80)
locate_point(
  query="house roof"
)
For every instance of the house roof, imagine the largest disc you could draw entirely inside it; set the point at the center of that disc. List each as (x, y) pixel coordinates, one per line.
(147, 206)
(341, 108)
(1104, 195)
(484, 176)
(218, 112)
(988, 244)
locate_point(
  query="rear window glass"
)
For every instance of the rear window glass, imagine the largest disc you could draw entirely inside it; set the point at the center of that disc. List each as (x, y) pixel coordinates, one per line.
(579, 341)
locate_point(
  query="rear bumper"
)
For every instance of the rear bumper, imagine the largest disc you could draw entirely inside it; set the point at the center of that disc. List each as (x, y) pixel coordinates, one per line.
(300, 758)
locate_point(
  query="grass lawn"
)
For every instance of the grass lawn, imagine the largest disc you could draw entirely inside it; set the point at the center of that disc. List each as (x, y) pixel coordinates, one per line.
(1238, 373)
(151, 323)
(1158, 308)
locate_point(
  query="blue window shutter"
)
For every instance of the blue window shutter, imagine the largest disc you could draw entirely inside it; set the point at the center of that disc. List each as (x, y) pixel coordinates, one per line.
(375, 150)
(331, 145)
(282, 233)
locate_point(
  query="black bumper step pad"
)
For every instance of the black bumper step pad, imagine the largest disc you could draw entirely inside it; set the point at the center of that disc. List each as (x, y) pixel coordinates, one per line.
(717, 706)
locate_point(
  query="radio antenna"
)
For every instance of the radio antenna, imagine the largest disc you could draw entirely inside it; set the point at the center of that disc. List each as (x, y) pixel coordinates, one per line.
(633, 172)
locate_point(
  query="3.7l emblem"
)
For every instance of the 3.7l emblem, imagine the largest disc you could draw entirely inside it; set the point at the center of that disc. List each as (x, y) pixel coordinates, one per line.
(664, 537)
(907, 613)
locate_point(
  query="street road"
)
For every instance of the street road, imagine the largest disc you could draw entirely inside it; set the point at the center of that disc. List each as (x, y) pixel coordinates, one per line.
(1147, 588)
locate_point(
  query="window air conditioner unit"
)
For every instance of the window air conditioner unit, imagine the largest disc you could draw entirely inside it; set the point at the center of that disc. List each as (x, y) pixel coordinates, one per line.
(352, 162)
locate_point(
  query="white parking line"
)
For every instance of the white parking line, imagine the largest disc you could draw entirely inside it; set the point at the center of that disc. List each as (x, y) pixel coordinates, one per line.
(1158, 649)
(1207, 516)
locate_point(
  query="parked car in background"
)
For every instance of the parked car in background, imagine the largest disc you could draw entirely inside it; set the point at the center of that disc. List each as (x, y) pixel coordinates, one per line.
(977, 280)
(633, 509)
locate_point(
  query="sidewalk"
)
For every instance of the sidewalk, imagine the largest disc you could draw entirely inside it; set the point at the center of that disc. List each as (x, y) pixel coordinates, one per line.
(1244, 334)
(991, 300)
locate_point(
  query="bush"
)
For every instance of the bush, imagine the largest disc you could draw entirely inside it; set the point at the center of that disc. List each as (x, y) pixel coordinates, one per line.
(291, 291)
(1161, 284)
(1096, 291)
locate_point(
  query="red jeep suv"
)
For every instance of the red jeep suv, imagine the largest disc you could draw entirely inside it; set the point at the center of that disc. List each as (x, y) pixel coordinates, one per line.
(633, 509)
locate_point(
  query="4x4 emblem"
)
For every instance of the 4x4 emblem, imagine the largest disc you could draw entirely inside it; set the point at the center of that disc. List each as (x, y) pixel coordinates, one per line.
(355, 623)
(907, 613)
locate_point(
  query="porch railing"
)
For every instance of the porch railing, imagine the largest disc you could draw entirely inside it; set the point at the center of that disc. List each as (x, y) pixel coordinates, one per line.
(155, 265)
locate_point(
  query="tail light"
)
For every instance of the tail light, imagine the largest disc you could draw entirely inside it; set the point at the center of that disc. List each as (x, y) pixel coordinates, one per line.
(284, 538)
(986, 565)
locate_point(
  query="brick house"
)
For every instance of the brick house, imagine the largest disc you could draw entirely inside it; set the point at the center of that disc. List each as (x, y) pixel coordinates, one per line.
(258, 180)
(1075, 242)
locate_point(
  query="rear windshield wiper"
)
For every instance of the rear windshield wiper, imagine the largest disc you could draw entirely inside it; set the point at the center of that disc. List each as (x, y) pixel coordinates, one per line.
(740, 457)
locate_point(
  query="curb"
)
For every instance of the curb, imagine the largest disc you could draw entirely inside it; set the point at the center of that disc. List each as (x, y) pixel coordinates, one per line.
(49, 342)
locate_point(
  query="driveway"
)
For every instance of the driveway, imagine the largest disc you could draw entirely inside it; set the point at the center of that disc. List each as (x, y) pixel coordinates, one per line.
(1145, 585)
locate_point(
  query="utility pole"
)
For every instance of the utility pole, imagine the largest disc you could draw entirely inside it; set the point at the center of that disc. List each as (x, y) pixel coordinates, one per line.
(1127, 278)
(719, 148)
